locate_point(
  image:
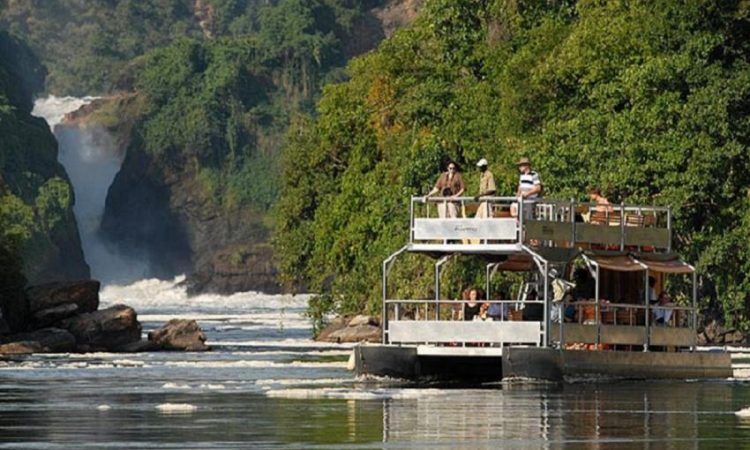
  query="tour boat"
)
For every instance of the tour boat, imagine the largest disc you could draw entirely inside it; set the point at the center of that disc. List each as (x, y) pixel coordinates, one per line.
(611, 332)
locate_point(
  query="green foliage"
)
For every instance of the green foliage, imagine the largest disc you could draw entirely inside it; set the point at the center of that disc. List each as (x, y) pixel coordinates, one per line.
(649, 100)
(52, 203)
(220, 107)
(85, 44)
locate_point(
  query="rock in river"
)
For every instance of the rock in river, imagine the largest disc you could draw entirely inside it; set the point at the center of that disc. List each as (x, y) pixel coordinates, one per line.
(108, 329)
(46, 340)
(180, 334)
(358, 329)
(54, 301)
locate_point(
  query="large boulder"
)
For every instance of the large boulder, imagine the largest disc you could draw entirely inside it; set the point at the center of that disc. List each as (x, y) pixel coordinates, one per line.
(180, 334)
(357, 329)
(333, 326)
(46, 340)
(51, 302)
(49, 316)
(108, 329)
(21, 348)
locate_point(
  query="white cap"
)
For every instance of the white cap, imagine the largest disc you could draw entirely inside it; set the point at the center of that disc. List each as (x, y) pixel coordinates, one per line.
(482, 162)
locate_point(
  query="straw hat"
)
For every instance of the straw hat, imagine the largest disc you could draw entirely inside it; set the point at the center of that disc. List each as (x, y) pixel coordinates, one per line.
(524, 162)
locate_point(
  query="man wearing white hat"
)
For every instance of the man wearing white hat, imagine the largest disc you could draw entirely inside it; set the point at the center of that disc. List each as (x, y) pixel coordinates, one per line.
(486, 187)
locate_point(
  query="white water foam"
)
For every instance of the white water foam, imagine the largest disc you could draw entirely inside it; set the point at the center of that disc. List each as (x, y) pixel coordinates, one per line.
(354, 394)
(53, 108)
(255, 364)
(171, 385)
(282, 343)
(303, 381)
(176, 408)
(156, 299)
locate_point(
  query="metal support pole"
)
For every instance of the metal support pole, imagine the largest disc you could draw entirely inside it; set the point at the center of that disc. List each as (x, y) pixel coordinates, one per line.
(622, 227)
(438, 266)
(695, 307)
(546, 305)
(648, 314)
(387, 264)
(385, 305)
(411, 221)
(669, 229)
(573, 223)
(520, 220)
(487, 274)
(596, 308)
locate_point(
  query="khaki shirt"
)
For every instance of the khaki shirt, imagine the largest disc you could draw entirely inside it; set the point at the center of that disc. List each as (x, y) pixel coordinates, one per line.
(486, 183)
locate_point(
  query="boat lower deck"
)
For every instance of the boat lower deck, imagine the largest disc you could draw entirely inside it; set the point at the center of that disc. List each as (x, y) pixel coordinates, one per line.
(495, 363)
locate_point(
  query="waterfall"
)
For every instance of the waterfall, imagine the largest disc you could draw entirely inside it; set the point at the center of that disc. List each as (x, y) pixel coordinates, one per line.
(91, 158)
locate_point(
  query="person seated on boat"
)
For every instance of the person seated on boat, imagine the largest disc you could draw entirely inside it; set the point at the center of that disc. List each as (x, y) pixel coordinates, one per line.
(472, 306)
(662, 315)
(498, 311)
(449, 184)
(602, 204)
(595, 195)
(457, 312)
(486, 187)
(483, 308)
(529, 188)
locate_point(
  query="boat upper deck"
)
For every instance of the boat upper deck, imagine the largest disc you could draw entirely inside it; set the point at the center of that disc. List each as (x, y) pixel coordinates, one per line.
(488, 226)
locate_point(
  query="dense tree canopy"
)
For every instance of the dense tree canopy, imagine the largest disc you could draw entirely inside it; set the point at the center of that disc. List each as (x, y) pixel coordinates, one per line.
(86, 44)
(224, 104)
(650, 100)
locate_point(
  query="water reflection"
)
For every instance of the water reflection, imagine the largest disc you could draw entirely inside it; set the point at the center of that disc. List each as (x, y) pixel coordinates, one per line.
(656, 414)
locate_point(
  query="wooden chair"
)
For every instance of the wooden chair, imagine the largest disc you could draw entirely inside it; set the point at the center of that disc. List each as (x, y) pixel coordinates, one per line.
(634, 220)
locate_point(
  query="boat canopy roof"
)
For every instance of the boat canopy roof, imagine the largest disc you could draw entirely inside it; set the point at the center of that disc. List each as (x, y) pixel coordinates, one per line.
(628, 262)
(520, 262)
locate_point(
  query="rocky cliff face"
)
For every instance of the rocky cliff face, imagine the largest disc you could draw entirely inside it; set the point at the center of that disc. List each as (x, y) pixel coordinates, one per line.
(39, 238)
(160, 210)
(29, 171)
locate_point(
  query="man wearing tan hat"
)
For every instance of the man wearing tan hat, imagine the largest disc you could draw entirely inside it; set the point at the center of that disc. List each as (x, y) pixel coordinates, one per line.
(529, 187)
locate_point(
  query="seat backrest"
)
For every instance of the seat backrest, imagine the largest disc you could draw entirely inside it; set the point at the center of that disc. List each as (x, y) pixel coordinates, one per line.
(634, 220)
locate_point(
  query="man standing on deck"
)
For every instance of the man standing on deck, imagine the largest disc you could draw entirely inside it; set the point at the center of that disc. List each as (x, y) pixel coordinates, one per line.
(529, 187)
(486, 187)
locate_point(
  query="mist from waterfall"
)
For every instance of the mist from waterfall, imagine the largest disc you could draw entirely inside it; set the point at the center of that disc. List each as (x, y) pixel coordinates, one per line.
(92, 159)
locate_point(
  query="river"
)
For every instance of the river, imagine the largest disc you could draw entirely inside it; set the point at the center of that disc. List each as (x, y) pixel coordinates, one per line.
(267, 385)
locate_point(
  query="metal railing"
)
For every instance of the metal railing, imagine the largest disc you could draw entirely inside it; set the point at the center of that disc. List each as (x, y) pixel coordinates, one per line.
(636, 316)
(540, 223)
(411, 313)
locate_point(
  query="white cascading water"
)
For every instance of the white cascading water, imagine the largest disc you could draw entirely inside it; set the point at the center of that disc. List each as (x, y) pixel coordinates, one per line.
(92, 160)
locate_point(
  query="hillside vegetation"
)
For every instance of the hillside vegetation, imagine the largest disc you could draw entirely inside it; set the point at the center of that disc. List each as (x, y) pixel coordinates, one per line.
(650, 100)
(86, 44)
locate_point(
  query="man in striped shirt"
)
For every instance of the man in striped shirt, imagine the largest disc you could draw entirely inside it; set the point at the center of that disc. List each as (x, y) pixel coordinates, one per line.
(529, 187)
